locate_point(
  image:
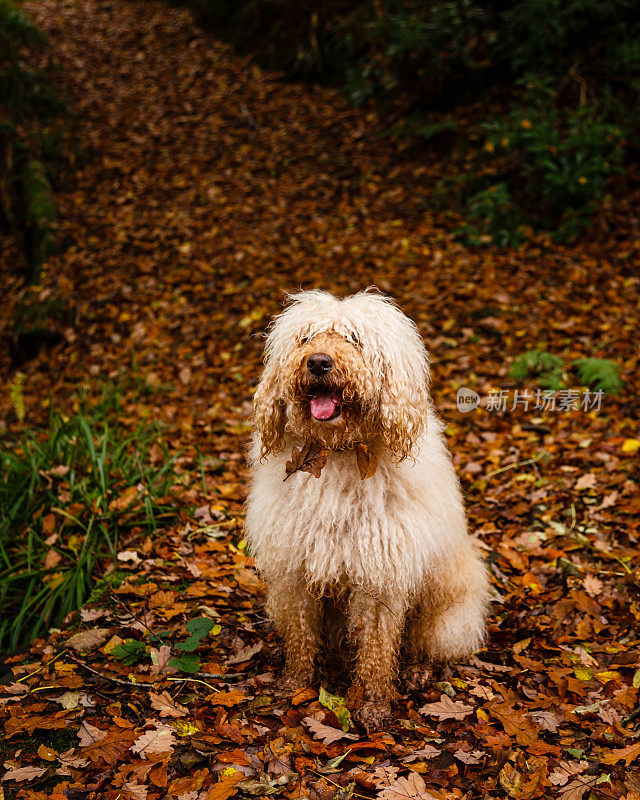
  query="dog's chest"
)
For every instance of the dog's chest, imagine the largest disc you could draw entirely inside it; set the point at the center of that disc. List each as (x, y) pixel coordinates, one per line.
(342, 529)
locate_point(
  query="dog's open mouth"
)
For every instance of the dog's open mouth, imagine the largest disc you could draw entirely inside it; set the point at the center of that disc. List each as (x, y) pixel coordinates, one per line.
(324, 406)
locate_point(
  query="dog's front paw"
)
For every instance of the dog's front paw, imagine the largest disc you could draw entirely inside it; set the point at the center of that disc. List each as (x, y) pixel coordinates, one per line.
(291, 681)
(373, 714)
(417, 677)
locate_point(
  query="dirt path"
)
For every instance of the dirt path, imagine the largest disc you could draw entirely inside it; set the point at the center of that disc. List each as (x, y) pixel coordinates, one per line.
(207, 188)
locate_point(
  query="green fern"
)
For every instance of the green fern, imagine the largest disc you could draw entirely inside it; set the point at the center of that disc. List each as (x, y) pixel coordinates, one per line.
(599, 373)
(545, 367)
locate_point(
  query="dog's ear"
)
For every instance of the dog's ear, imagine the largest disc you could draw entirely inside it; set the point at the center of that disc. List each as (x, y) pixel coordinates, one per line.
(404, 398)
(268, 410)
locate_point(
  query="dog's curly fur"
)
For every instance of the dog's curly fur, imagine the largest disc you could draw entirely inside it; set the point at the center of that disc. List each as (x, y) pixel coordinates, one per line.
(391, 551)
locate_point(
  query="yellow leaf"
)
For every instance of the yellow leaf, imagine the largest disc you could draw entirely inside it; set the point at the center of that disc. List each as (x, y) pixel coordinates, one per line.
(185, 728)
(631, 446)
(583, 674)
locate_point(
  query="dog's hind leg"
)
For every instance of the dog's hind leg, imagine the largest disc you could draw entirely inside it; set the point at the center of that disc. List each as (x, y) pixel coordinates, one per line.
(297, 616)
(448, 622)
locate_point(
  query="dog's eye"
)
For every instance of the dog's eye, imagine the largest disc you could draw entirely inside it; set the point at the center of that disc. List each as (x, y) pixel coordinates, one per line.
(354, 339)
(304, 338)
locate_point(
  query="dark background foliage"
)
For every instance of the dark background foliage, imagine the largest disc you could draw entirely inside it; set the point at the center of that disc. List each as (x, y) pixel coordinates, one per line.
(548, 91)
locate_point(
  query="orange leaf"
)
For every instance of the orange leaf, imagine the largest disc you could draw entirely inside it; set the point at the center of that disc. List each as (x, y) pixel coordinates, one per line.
(227, 784)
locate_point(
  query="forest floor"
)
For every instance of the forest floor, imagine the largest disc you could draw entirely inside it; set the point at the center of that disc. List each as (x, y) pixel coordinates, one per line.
(205, 189)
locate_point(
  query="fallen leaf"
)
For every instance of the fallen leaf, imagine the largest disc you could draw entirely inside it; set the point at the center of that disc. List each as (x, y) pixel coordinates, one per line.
(88, 734)
(24, 774)
(586, 481)
(87, 641)
(160, 739)
(446, 708)
(366, 460)
(520, 726)
(231, 698)
(159, 658)
(167, 706)
(413, 786)
(310, 458)
(227, 784)
(326, 733)
(629, 754)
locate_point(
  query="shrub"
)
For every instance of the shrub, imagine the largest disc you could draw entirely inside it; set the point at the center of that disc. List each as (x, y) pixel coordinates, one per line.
(29, 114)
(556, 160)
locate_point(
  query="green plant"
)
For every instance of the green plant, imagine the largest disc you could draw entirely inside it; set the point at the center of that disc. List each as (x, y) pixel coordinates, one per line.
(545, 367)
(600, 373)
(66, 495)
(197, 628)
(556, 161)
(492, 218)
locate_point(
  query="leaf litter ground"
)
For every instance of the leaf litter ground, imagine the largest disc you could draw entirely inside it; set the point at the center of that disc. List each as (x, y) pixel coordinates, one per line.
(206, 188)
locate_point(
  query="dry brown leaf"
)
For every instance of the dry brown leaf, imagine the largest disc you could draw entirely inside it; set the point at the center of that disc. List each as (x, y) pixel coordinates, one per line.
(629, 754)
(160, 739)
(311, 458)
(231, 698)
(326, 733)
(87, 641)
(24, 773)
(518, 725)
(446, 708)
(159, 658)
(88, 734)
(428, 751)
(227, 784)
(577, 788)
(167, 706)
(412, 787)
(366, 460)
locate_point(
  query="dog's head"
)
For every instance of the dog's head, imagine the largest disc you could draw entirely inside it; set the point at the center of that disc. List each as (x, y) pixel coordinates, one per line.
(343, 371)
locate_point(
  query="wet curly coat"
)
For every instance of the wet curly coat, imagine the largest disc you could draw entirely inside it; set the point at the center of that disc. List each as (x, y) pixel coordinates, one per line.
(392, 551)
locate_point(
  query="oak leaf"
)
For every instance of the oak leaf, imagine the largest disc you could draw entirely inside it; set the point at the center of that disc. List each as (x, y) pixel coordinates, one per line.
(518, 725)
(326, 733)
(167, 706)
(227, 784)
(86, 641)
(413, 787)
(24, 774)
(629, 754)
(160, 739)
(576, 789)
(311, 458)
(446, 708)
(366, 460)
(88, 734)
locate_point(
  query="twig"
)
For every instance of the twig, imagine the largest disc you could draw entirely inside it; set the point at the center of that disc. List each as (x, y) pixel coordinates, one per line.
(151, 686)
(526, 462)
(119, 681)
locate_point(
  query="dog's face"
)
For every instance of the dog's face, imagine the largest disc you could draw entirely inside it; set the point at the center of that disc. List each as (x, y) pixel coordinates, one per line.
(342, 372)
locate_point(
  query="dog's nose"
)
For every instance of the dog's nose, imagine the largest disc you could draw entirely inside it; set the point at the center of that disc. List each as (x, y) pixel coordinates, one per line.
(319, 363)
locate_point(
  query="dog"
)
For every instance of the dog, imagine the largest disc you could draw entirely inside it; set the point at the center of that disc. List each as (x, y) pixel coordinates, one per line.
(372, 524)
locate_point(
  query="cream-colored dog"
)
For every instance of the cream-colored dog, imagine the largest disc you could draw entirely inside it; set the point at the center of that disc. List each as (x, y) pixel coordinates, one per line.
(389, 553)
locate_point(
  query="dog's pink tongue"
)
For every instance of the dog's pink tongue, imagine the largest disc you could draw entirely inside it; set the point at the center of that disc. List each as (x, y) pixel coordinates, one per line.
(322, 406)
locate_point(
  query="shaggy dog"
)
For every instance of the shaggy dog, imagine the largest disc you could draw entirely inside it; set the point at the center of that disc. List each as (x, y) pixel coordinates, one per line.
(377, 537)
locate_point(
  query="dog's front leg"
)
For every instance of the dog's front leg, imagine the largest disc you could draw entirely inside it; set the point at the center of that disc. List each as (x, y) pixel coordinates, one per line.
(297, 616)
(376, 625)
